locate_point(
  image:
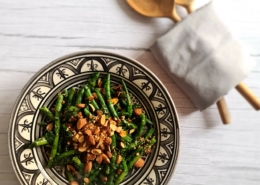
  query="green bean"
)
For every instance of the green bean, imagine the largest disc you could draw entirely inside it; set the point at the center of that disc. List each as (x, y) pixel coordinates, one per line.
(69, 175)
(86, 111)
(39, 142)
(127, 138)
(102, 101)
(133, 161)
(47, 112)
(93, 80)
(140, 128)
(149, 133)
(123, 174)
(56, 129)
(129, 124)
(89, 95)
(108, 97)
(70, 98)
(128, 100)
(79, 96)
(148, 121)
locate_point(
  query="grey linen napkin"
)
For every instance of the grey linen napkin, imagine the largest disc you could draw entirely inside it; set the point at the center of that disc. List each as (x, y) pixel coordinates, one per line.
(202, 57)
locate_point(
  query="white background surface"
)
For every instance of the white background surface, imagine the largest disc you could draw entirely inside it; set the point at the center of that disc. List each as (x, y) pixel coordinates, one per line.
(33, 33)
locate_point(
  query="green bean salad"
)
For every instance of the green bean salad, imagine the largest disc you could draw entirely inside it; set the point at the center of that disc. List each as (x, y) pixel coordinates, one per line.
(96, 133)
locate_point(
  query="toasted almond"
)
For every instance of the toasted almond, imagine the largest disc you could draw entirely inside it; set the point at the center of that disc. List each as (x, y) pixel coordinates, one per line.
(99, 159)
(119, 171)
(90, 157)
(96, 151)
(113, 127)
(112, 122)
(114, 101)
(105, 158)
(88, 132)
(81, 105)
(75, 138)
(80, 114)
(92, 107)
(75, 146)
(109, 154)
(99, 83)
(91, 139)
(95, 96)
(104, 179)
(102, 120)
(74, 183)
(119, 129)
(81, 139)
(131, 131)
(91, 98)
(99, 112)
(86, 180)
(49, 127)
(138, 111)
(122, 144)
(88, 167)
(139, 163)
(82, 149)
(70, 168)
(123, 133)
(81, 122)
(96, 130)
(108, 141)
(118, 121)
(118, 159)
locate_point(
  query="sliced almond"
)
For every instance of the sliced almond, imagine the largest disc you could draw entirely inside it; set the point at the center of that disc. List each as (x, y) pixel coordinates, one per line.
(118, 159)
(99, 82)
(99, 112)
(131, 131)
(86, 180)
(49, 127)
(113, 127)
(104, 179)
(139, 163)
(81, 139)
(82, 149)
(92, 107)
(81, 123)
(74, 183)
(96, 130)
(99, 159)
(138, 111)
(112, 122)
(108, 141)
(88, 132)
(94, 95)
(70, 168)
(109, 154)
(88, 167)
(105, 158)
(122, 144)
(119, 171)
(75, 146)
(123, 133)
(75, 138)
(96, 151)
(119, 129)
(91, 140)
(114, 101)
(90, 157)
(80, 114)
(102, 120)
(91, 98)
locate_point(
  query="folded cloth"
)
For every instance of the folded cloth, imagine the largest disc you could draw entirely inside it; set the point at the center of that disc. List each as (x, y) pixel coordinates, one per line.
(202, 57)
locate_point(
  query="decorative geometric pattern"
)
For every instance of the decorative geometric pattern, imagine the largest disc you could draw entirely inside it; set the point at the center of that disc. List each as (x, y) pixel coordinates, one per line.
(74, 70)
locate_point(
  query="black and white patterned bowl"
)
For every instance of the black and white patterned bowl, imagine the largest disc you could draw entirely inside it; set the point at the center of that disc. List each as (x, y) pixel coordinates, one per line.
(72, 70)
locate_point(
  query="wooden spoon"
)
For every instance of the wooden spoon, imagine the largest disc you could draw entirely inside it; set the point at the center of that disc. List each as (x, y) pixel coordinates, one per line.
(155, 8)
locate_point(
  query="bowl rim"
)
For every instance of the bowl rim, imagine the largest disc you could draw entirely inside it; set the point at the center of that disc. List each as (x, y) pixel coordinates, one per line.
(74, 54)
